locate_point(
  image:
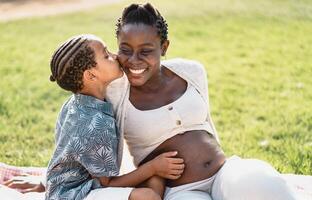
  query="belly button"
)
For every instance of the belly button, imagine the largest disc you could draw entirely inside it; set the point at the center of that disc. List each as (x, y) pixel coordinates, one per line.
(207, 164)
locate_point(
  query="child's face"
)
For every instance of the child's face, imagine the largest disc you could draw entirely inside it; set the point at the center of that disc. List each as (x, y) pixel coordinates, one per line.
(107, 68)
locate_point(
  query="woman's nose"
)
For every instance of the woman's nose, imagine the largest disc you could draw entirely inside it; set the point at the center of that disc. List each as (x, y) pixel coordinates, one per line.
(133, 58)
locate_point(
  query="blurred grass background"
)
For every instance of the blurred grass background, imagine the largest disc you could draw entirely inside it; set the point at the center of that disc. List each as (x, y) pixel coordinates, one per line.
(258, 56)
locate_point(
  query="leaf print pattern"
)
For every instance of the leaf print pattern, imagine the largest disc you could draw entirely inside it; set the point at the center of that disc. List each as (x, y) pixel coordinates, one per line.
(86, 145)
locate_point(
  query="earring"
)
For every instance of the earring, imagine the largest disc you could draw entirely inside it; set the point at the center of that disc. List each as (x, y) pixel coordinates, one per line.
(163, 53)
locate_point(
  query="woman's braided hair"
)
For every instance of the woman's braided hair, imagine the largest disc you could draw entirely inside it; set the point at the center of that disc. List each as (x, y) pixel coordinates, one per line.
(70, 60)
(146, 14)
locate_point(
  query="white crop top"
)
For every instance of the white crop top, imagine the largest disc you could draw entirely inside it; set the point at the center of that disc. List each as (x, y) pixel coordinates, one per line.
(145, 130)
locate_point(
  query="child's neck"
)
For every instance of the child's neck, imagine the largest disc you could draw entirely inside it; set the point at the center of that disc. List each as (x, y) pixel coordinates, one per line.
(97, 92)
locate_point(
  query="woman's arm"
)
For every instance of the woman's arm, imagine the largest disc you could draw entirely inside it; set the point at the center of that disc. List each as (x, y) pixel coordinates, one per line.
(164, 165)
(26, 183)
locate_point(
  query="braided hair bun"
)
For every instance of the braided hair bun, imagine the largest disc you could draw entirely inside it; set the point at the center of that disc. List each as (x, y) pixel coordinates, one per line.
(146, 14)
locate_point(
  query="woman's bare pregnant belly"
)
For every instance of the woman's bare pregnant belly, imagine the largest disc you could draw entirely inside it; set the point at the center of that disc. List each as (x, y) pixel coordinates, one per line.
(201, 153)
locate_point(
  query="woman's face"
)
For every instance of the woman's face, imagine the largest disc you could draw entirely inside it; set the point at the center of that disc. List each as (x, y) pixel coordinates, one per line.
(139, 52)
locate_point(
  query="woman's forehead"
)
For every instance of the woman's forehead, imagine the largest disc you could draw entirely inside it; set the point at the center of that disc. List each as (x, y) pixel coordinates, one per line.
(138, 29)
(138, 34)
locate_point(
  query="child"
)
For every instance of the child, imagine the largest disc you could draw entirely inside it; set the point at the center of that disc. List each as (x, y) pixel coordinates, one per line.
(84, 164)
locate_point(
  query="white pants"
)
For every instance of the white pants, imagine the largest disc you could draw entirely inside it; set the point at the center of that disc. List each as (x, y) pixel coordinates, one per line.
(238, 179)
(11, 194)
(111, 193)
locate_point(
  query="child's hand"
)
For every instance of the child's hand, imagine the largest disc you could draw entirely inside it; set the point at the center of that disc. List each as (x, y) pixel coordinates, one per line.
(166, 166)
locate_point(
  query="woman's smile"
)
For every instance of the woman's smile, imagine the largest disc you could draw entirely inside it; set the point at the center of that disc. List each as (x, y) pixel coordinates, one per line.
(137, 71)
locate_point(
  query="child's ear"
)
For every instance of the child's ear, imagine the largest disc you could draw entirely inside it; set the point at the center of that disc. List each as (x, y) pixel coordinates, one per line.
(88, 75)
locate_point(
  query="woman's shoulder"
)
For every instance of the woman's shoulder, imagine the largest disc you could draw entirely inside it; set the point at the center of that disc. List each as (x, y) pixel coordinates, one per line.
(116, 91)
(184, 65)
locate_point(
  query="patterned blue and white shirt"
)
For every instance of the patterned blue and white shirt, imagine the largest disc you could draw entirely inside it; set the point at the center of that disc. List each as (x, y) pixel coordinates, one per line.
(86, 146)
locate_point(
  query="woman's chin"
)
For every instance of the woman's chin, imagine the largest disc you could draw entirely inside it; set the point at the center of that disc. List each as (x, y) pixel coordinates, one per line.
(136, 82)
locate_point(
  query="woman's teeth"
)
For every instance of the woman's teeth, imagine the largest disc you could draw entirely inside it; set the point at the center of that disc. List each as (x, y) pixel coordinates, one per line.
(136, 71)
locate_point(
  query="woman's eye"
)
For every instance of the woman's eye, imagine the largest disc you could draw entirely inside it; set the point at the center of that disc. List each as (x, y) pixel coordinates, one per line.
(125, 51)
(146, 52)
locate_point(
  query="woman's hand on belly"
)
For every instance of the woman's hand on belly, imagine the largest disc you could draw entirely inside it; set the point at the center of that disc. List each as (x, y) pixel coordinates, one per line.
(201, 153)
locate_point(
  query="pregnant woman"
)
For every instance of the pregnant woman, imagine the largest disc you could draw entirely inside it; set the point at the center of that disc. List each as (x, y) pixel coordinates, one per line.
(163, 106)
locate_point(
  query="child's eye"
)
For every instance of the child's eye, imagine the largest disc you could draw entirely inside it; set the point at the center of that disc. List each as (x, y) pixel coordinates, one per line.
(106, 56)
(106, 53)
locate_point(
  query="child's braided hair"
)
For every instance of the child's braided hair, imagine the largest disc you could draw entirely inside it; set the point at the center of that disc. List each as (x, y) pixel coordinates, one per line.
(70, 60)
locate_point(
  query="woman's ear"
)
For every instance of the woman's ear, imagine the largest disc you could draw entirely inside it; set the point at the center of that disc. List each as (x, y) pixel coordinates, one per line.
(164, 47)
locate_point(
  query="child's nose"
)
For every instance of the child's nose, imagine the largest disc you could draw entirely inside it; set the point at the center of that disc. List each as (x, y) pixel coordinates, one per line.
(114, 56)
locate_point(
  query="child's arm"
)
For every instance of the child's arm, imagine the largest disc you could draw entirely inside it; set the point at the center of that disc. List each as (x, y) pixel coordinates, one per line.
(163, 165)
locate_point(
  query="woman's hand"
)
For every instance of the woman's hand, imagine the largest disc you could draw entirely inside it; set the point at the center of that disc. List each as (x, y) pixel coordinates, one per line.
(26, 183)
(166, 166)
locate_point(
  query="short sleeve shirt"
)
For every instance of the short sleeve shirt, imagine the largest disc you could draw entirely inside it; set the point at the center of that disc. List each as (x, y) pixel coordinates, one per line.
(86, 147)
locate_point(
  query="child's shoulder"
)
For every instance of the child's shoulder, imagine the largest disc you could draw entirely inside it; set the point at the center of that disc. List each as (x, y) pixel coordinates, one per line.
(88, 120)
(65, 109)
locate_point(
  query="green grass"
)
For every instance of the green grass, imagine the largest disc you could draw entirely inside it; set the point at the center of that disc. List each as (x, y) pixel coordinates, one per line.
(257, 55)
